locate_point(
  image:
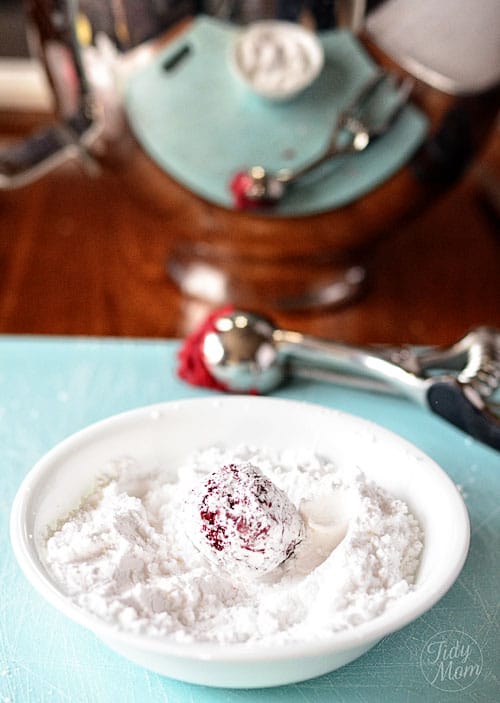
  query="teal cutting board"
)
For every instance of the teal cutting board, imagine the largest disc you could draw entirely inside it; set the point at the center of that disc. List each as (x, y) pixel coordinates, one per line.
(201, 125)
(49, 388)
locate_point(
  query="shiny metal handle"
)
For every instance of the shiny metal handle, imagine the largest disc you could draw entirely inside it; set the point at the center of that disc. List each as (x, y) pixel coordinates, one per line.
(373, 369)
(461, 399)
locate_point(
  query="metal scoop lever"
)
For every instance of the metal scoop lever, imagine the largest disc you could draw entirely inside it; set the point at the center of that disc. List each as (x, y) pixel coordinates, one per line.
(467, 398)
(245, 352)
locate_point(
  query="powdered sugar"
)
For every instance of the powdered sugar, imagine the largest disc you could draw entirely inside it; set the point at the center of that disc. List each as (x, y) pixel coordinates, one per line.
(125, 556)
(277, 59)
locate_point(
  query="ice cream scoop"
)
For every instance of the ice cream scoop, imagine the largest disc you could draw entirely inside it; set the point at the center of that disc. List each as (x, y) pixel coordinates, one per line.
(243, 352)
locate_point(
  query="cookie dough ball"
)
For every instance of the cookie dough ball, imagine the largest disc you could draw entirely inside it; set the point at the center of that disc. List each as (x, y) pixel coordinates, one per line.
(241, 521)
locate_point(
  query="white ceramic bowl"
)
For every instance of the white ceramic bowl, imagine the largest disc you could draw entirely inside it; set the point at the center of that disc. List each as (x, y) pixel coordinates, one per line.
(164, 435)
(277, 60)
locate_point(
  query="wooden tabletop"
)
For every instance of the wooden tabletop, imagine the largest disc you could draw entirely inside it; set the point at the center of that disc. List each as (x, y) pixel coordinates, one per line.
(83, 256)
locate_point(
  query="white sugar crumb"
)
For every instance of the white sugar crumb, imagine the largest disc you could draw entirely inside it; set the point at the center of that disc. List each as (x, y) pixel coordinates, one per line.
(125, 557)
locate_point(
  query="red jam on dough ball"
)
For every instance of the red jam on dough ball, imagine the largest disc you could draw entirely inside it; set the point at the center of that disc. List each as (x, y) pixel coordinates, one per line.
(240, 520)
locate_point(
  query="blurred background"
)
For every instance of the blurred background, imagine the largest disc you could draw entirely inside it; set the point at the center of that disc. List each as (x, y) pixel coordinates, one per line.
(109, 243)
(13, 30)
